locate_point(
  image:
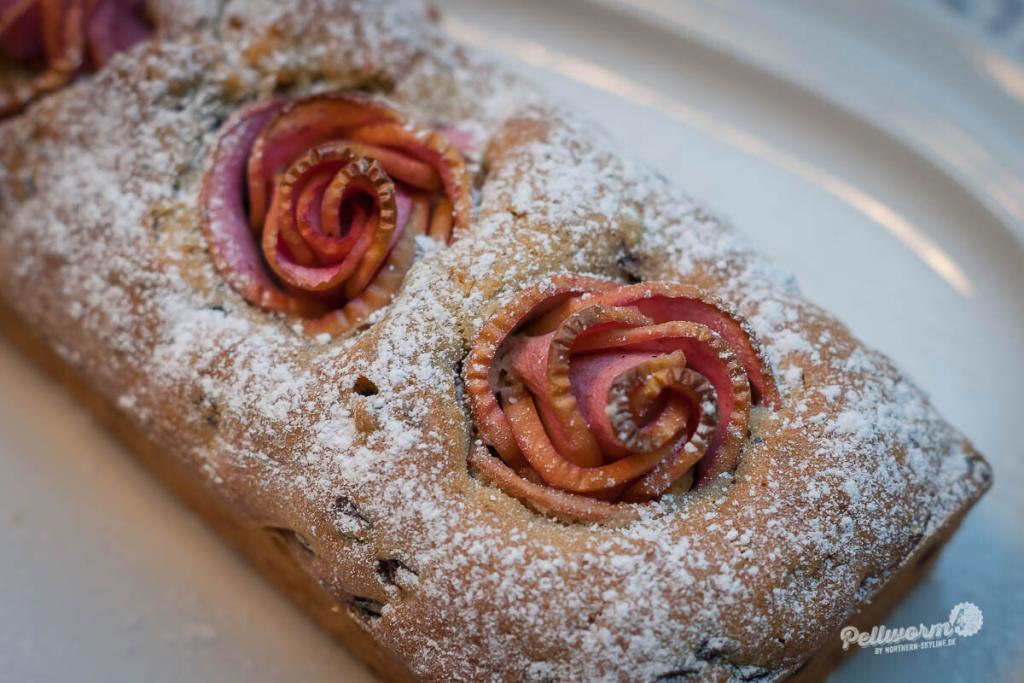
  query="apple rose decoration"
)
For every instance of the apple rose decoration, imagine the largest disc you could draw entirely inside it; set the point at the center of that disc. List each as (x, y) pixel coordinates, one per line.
(59, 39)
(312, 208)
(592, 394)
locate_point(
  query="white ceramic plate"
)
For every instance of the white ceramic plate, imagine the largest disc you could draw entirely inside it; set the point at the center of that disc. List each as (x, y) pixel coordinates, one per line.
(873, 148)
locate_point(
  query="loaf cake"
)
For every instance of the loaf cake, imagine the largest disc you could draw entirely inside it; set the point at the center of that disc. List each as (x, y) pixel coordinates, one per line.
(487, 397)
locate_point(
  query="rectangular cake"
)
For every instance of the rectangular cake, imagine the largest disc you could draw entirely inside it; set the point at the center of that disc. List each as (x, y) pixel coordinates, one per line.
(488, 398)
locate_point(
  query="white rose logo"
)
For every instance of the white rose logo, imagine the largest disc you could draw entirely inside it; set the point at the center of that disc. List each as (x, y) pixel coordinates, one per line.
(966, 619)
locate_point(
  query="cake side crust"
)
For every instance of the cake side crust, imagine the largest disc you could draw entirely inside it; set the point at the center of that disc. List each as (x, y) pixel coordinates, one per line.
(275, 556)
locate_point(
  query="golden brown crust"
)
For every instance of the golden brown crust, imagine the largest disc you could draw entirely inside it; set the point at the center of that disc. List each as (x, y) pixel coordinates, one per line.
(356, 450)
